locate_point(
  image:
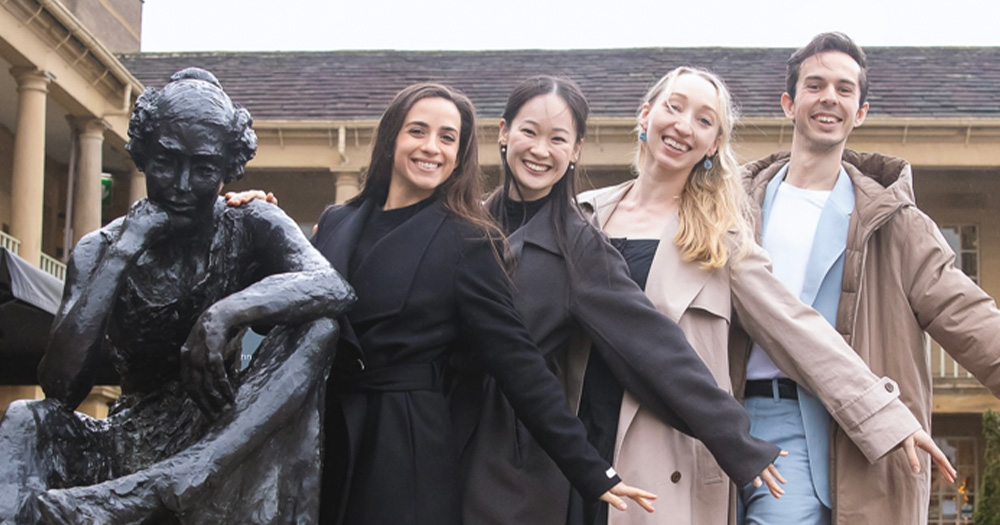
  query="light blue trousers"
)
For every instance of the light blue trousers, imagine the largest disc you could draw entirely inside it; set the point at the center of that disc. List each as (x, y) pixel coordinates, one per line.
(780, 422)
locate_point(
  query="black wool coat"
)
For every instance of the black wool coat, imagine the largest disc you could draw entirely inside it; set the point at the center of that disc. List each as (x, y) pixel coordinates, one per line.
(428, 290)
(507, 477)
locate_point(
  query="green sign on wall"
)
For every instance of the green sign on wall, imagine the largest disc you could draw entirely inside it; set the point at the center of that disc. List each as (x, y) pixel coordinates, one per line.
(107, 183)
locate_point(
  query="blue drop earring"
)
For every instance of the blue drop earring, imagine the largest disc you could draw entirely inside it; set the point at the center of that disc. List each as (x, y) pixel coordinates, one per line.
(643, 136)
(707, 163)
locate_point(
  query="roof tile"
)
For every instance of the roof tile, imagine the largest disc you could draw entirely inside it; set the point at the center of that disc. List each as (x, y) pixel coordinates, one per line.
(348, 85)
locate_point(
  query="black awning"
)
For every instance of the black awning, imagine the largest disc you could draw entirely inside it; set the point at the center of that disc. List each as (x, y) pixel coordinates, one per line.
(22, 281)
(29, 298)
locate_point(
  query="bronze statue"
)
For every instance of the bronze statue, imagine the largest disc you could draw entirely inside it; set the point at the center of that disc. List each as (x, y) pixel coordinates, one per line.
(165, 291)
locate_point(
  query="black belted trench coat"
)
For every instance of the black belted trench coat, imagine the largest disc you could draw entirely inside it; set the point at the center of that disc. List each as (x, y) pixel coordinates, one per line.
(429, 289)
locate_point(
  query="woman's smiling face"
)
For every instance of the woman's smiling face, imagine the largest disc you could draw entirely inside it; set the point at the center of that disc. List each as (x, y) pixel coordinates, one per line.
(541, 141)
(426, 149)
(682, 125)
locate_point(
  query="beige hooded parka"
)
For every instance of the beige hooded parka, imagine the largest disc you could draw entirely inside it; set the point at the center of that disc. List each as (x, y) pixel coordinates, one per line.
(899, 282)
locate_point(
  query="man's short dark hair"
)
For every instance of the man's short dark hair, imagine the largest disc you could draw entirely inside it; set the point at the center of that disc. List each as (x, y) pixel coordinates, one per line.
(822, 43)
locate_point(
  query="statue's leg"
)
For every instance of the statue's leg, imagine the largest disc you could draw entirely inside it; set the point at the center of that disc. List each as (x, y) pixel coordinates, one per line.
(22, 470)
(43, 445)
(277, 388)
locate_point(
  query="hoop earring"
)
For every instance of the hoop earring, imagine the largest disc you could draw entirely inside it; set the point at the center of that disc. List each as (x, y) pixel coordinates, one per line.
(707, 164)
(643, 136)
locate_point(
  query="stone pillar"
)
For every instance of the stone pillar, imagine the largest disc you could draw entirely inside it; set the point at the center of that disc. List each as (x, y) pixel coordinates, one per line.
(347, 186)
(87, 189)
(28, 184)
(136, 185)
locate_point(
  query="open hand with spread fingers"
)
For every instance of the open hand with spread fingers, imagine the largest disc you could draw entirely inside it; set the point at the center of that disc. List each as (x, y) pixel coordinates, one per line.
(923, 440)
(772, 477)
(621, 490)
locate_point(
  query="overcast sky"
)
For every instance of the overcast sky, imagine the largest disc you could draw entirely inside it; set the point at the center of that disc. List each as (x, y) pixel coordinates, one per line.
(294, 25)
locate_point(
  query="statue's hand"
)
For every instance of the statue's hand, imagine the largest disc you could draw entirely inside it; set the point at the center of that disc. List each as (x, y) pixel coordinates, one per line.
(203, 368)
(144, 223)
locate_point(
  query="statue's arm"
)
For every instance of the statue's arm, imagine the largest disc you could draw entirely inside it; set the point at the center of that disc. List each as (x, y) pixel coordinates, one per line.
(93, 279)
(299, 286)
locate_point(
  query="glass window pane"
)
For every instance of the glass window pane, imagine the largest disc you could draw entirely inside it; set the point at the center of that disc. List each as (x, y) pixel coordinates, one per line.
(966, 451)
(970, 239)
(968, 506)
(953, 237)
(969, 264)
(949, 507)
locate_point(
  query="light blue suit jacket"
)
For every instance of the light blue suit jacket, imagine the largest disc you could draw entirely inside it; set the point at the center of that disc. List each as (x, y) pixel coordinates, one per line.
(821, 290)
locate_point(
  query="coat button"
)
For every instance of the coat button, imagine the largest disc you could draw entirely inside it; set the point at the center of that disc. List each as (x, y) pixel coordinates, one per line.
(889, 388)
(361, 365)
(675, 477)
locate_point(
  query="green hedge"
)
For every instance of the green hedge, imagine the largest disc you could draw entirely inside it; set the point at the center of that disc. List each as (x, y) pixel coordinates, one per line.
(988, 508)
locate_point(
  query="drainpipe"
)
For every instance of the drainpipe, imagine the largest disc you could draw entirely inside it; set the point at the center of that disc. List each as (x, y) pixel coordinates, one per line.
(70, 188)
(342, 145)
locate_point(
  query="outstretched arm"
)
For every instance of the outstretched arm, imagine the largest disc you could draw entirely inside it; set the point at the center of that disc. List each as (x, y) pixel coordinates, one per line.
(300, 286)
(814, 355)
(953, 309)
(93, 279)
(650, 356)
(490, 321)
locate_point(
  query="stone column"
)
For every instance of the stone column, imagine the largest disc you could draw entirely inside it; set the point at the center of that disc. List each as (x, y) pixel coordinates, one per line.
(87, 189)
(136, 185)
(347, 186)
(28, 184)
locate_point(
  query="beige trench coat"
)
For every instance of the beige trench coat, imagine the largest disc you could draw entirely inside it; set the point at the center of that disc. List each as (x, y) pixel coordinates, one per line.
(652, 455)
(899, 282)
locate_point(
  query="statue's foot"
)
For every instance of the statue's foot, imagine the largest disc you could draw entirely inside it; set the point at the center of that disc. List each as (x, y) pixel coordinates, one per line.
(99, 504)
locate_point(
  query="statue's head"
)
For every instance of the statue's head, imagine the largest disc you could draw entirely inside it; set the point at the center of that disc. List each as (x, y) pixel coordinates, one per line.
(189, 138)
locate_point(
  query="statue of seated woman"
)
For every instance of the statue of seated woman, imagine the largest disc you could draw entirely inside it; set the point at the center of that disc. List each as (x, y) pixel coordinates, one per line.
(166, 291)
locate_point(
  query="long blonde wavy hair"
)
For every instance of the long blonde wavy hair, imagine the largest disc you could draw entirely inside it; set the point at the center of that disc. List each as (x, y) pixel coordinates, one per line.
(713, 217)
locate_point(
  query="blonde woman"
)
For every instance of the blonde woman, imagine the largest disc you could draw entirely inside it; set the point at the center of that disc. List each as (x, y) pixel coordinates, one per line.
(682, 227)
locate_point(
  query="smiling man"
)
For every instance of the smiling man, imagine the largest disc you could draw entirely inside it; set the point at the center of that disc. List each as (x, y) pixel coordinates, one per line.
(845, 235)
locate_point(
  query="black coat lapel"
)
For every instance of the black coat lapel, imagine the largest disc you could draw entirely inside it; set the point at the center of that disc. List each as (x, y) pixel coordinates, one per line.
(383, 279)
(338, 235)
(537, 231)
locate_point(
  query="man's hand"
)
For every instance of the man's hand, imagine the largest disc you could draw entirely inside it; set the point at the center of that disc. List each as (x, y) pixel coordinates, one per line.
(924, 441)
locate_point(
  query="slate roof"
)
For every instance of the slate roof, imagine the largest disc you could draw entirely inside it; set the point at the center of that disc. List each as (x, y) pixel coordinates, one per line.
(349, 85)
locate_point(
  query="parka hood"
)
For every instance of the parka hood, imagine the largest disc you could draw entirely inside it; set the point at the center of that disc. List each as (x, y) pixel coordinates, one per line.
(882, 184)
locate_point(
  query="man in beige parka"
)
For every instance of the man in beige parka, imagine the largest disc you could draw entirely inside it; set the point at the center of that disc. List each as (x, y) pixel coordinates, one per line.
(876, 267)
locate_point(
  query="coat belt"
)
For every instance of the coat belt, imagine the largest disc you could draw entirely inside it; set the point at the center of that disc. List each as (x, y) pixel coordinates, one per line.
(398, 378)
